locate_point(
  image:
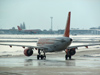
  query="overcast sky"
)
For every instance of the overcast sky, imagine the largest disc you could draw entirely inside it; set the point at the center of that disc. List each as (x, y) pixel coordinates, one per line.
(36, 13)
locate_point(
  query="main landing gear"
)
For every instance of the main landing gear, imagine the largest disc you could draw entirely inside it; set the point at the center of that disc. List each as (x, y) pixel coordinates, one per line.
(67, 54)
(41, 56)
(66, 57)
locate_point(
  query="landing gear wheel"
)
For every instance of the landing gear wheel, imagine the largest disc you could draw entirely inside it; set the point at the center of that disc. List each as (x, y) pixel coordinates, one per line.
(66, 57)
(38, 57)
(69, 57)
(42, 57)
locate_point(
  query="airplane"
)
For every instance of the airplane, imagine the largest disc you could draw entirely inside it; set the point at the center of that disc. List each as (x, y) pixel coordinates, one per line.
(29, 31)
(53, 44)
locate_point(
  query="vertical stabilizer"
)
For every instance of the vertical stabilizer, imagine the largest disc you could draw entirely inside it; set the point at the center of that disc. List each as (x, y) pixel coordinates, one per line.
(67, 28)
(19, 28)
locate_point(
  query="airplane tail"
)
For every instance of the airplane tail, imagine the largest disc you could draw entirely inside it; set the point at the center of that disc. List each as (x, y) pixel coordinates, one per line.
(67, 28)
(19, 28)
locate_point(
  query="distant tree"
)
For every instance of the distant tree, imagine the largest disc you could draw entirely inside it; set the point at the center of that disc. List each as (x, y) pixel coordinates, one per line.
(99, 27)
(13, 28)
(21, 26)
(24, 27)
(93, 28)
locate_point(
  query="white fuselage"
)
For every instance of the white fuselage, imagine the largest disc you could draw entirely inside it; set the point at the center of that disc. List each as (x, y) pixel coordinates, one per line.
(54, 44)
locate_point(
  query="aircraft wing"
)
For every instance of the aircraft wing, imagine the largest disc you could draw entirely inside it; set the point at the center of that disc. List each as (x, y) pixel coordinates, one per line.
(36, 40)
(38, 47)
(70, 47)
(9, 39)
(86, 41)
(18, 38)
(16, 41)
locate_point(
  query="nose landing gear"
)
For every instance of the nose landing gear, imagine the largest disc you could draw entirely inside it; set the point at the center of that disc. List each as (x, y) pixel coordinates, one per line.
(41, 56)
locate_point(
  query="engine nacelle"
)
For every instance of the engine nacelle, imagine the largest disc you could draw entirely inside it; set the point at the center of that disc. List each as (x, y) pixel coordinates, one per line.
(28, 52)
(72, 51)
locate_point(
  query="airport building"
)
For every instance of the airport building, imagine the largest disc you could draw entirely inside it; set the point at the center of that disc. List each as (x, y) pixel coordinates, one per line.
(72, 31)
(82, 31)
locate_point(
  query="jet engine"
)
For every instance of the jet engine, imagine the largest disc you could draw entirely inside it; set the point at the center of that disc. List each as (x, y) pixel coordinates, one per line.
(28, 52)
(72, 51)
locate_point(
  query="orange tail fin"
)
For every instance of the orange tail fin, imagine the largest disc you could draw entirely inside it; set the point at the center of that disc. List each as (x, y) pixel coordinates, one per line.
(19, 28)
(67, 29)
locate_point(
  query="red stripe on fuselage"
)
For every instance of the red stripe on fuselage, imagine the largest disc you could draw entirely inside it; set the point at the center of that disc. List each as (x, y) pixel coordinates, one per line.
(46, 41)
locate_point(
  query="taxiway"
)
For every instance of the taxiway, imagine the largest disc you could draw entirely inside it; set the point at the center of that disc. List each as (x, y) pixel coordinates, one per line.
(83, 63)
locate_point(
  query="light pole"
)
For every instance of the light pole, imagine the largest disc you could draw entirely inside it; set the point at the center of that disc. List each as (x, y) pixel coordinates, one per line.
(51, 24)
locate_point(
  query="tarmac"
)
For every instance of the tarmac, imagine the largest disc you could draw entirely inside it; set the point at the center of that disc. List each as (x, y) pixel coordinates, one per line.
(85, 62)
